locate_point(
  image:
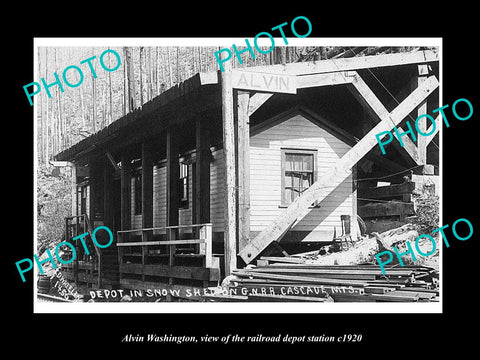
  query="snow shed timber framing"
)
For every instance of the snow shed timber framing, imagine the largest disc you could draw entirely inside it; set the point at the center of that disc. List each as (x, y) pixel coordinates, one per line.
(218, 110)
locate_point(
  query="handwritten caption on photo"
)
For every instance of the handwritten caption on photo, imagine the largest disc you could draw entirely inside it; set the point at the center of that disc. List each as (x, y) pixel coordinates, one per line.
(50, 257)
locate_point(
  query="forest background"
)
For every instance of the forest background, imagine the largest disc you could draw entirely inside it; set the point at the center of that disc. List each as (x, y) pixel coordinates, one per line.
(144, 73)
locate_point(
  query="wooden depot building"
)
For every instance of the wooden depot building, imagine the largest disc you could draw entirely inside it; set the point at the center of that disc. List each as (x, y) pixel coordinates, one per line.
(228, 166)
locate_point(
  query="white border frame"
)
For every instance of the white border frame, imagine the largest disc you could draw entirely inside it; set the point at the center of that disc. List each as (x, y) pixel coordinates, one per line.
(225, 307)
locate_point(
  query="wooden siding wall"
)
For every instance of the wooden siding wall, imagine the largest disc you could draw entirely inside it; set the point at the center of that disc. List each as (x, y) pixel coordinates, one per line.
(160, 198)
(217, 184)
(265, 176)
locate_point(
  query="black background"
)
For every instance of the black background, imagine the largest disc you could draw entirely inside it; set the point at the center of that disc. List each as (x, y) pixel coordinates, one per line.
(382, 334)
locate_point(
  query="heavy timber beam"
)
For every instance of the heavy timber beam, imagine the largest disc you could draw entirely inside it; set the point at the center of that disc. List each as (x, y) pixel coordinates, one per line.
(430, 130)
(421, 110)
(328, 79)
(305, 81)
(338, 173)
(377, 111)
(230, 207)
(335, 65)
(243, 166)
(257, 100)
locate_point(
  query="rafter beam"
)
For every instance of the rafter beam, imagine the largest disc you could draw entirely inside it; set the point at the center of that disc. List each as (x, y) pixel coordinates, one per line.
(349, 64)
(327, 79)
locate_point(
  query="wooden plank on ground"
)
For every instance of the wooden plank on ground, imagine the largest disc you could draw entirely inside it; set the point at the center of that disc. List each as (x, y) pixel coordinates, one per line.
(287, 298)
(308, 279)
(283, 259)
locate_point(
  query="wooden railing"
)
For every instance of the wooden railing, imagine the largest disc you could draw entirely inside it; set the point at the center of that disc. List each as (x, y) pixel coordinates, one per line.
(81, 225)
(165, 261)
(204, 240)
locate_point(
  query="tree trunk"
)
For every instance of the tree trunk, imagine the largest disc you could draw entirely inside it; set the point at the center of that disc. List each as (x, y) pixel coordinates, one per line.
(169, 66)
(47, 122)
(110, 114)
(94, 110)
(179, 79)
(141, 73)
(41, 132)
(129, 82)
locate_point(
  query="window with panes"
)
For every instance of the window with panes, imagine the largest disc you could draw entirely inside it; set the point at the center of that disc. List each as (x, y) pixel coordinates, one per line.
(298, 173)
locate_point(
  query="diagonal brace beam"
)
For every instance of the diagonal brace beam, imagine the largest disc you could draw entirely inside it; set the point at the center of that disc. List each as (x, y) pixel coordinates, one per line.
(336, 174)
(378, 111)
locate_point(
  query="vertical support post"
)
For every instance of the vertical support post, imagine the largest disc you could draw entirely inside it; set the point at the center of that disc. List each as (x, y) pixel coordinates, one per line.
(107, 194)
(125, 203)
(147, 196)
(205, 233)
(202, 172)
(421, 110)
(125, 188)
(206, 248)
(67, 232)
(120, 254)
(243, 167)
(355, 230)
(173, 174)
(73, 169)
(230, 170)
(93, 189)
(172, 235)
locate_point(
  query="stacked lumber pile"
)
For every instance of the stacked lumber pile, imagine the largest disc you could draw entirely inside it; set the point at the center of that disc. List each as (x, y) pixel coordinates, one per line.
(291, 281)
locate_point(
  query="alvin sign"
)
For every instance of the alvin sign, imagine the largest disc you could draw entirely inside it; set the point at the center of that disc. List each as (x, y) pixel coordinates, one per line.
(249, 80)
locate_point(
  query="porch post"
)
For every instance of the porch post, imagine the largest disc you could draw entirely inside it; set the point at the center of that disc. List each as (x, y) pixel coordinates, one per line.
(230, 208)
(173, 174)
(202, 173)
(125, 199)
(243, 166)
(147, 189)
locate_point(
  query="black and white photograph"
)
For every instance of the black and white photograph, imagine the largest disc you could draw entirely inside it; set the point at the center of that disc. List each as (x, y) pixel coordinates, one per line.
(293, 174)
(299, 180)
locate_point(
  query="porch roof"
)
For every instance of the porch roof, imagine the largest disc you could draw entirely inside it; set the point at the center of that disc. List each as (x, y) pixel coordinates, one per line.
(201, 92)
